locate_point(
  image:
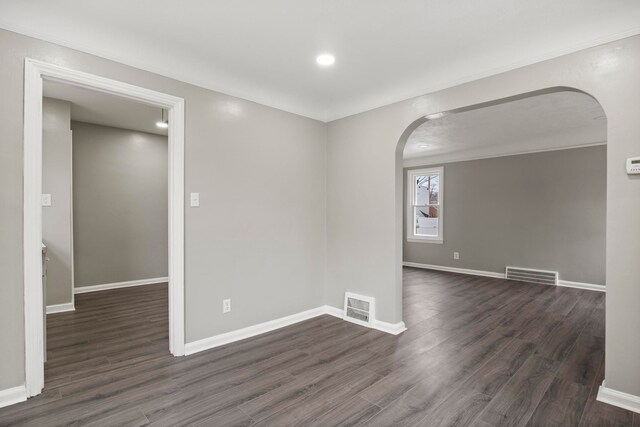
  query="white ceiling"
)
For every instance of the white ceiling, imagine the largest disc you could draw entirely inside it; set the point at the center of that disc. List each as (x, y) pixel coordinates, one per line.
(108, 110)
(540, 123)
(265, 51)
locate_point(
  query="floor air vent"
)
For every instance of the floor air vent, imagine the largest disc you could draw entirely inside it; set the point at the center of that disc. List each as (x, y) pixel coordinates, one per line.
(359, 309)
(533, 276)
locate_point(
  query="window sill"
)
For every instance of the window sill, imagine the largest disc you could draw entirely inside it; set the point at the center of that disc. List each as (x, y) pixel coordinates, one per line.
(424, 240)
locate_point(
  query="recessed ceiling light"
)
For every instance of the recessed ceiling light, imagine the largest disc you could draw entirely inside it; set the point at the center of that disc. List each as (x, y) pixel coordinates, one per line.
(325, 59)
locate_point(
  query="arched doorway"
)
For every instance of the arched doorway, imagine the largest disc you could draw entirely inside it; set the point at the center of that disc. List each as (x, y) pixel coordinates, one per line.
(462, 306)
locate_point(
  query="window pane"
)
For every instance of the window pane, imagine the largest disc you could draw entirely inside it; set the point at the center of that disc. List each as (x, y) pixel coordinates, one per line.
(427, 221)
(427, 189)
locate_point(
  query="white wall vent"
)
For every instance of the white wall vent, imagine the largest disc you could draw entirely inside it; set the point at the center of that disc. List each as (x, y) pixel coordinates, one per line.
(542, 277)
(359, 309)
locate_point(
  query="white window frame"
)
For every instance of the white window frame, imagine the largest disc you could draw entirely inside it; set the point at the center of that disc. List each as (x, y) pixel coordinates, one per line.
(411, 194)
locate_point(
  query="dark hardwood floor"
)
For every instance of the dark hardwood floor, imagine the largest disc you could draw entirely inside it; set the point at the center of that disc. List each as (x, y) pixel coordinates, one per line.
(478, 351)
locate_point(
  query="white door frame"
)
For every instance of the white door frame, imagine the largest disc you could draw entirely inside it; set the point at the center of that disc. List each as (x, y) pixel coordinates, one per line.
(34, 73)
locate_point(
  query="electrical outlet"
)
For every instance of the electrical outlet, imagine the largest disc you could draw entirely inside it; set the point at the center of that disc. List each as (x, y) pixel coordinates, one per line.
(456, 255)
(226, 305)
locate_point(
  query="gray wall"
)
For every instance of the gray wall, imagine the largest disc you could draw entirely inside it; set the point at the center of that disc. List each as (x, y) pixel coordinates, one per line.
(57, 218)
(364, 174)
(258, 236)
(120, 218)
(543, 210)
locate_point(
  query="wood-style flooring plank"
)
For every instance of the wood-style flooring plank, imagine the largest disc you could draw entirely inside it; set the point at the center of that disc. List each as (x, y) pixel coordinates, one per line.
(520, 396)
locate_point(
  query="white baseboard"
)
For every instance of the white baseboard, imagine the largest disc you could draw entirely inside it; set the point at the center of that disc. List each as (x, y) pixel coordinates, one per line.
(334, 311)
(579, 285)
(251, 331)
(455, 270)
(390, 328)
(117, 285)
(13, 395)
(60, 308)
(564, 283)
(619, 398)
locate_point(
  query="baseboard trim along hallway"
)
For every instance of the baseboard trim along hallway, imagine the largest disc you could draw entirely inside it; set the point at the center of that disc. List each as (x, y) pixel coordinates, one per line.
(563, 283)
(60, 308)
(271, 325)
(117, 285)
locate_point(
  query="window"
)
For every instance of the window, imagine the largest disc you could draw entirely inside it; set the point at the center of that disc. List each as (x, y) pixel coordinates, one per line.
(425, 204)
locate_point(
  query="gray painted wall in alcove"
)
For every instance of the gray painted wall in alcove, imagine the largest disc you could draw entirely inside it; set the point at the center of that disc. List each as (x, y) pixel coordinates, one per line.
(542, 210)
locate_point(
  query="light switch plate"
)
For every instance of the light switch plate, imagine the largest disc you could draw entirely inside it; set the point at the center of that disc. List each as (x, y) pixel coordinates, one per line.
(195, 200)
(46, 199)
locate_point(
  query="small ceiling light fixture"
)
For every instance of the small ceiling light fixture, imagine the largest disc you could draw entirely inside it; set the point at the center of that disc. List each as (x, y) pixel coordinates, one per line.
(325, 59)
(162, 123)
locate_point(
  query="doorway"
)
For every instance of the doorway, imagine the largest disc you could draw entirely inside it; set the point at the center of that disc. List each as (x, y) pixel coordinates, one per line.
(35, 73)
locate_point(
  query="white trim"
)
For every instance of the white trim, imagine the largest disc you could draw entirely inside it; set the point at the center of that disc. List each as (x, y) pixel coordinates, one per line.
(118, 285)
(11, 396)
(34, 73)
(32, 231)
(390, 328)
(251, 331)
(271, 325)
(580, 285)
(619, 398)
(61, 308)
(73, 268)
(411, 192)
(334, 311)
(176, 227)
(563, 283)
(432, 240)
(455, 270)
